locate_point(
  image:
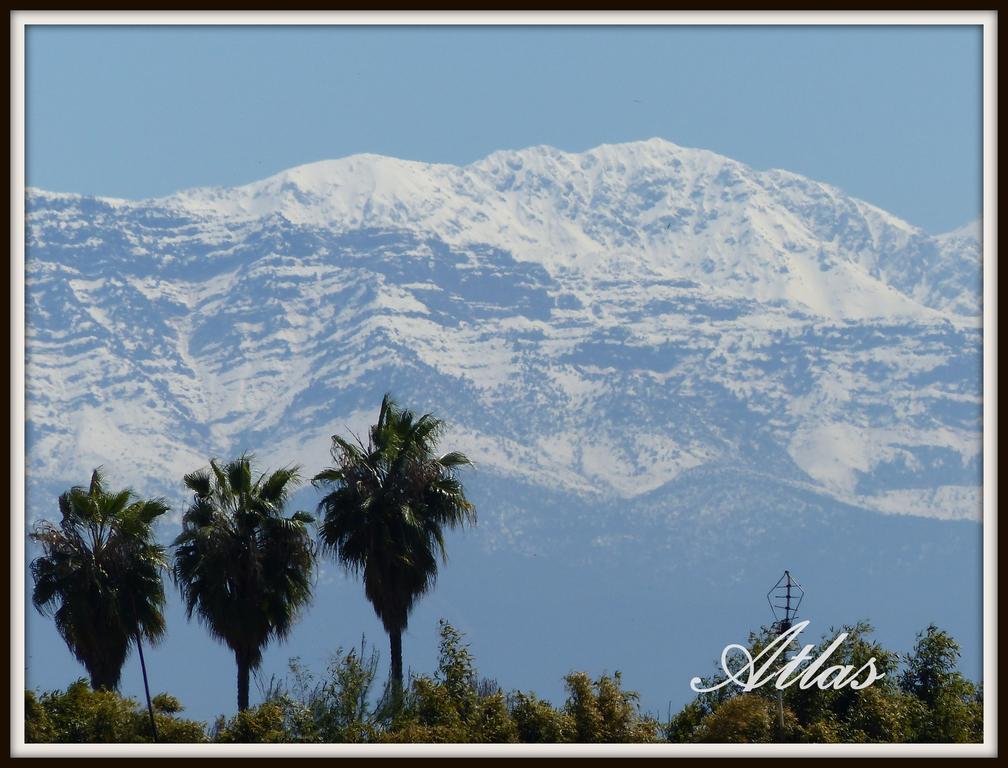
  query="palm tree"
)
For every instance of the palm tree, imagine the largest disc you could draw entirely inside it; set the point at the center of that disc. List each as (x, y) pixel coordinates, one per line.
(100, 578)
(385, 512)
(240, 563)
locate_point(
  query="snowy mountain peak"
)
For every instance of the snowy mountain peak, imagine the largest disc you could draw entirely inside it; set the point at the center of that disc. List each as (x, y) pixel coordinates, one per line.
(606, 323)
(971, 230)
(648, 208)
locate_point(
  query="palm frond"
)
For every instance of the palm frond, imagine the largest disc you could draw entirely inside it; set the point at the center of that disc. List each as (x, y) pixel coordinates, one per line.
(278, 485)
(454, 459)
(97, 484)
(99, 575)
(198, 482)
(243, 567)
(386, 507)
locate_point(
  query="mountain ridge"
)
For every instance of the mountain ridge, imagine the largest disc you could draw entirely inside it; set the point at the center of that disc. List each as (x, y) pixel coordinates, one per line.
(842, 339)
(650, 208)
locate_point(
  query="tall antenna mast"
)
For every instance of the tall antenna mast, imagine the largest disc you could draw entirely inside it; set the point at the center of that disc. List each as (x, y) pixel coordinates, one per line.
(784, 598)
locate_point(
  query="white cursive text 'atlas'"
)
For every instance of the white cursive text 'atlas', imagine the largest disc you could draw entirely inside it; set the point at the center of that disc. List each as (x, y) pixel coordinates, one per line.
(755, 672)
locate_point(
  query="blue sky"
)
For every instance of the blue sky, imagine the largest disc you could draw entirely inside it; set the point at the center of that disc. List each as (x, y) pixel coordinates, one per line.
(889, 114)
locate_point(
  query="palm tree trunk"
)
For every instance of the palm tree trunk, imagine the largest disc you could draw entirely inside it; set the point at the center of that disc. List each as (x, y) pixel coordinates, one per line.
(395, 641)
(150, 707)
(243, 680)
(102, 681)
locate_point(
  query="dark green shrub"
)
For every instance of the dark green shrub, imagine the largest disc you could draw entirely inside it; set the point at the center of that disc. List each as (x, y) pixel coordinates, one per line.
(80, 715)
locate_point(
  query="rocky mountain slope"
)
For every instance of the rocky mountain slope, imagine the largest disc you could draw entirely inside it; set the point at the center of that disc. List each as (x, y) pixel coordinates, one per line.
(600, 323)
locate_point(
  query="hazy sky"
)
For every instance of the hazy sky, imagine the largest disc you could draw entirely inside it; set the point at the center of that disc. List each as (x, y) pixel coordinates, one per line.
(889, 114)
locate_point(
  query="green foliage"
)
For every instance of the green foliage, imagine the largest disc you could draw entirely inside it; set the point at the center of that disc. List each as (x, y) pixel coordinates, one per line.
(491, 722)
(682, 726)
(166, 704)
(538, 722)
(879, 714)
(744, 719)
(929, 701)
(264, 724)
(174, 730)
(602, 712)
(925, 699)
(429, 715)
(452, 706)
(814, 704)
(100, 576)
(82, 715)
(386, 509)
(39, 728)
(953, 706)
(241, 564)
(335, 708)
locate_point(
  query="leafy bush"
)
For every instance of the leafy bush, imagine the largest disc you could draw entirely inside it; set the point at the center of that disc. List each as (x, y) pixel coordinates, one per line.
(745, 719)
(952, 706)
(336, 708)
(264, 724)
(452, 706)
(929, 701)
(682, 726)
(603, 712)
(81, 715)
(538, 722)
(921, 698)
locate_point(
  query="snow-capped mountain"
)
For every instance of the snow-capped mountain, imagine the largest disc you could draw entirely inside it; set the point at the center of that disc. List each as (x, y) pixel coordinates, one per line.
(600, 322)
(676, 376)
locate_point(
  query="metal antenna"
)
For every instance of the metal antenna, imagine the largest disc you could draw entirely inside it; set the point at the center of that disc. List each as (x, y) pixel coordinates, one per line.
(784, 598)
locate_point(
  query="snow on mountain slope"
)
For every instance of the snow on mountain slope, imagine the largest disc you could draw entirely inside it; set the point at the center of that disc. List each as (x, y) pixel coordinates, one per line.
(602, 324)
(648, 207)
